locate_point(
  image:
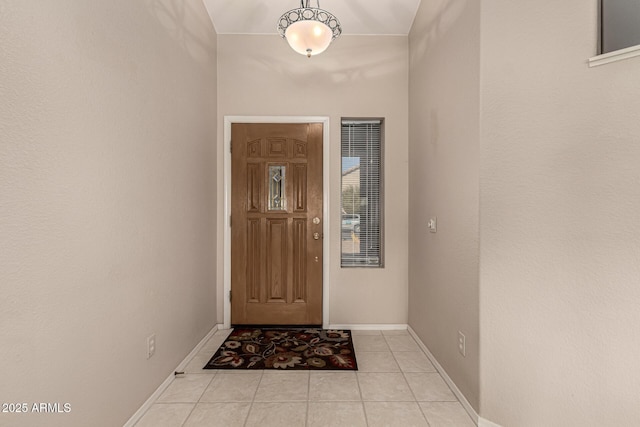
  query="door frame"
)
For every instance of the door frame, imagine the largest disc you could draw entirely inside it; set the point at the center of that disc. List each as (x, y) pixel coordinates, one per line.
(228, 120)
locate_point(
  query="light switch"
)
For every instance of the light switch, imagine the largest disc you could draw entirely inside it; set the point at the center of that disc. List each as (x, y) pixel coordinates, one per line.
(433, 224)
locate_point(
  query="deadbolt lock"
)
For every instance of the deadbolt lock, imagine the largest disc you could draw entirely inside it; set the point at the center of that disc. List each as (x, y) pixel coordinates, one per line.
(316, 236)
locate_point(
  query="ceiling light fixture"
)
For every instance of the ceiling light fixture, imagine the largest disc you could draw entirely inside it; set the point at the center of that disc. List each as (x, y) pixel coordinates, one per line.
(309, 30)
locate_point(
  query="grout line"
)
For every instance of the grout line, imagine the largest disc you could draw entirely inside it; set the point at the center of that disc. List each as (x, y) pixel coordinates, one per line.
(189, 416)
(246, 417)
(313, 401)
(416, 399)
(423, 414)
(207, 386)
(198, 401)
(409, 385)
(306, 418)
(357, 372)
(253, 399)
(447, 379)
(364, 409)
(407, 401)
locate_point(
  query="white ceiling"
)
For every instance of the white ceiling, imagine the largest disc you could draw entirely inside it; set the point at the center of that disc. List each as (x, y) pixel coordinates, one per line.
(383, 17)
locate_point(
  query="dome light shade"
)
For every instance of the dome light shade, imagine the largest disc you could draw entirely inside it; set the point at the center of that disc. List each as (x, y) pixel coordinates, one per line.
(309, 30)
(308, 37)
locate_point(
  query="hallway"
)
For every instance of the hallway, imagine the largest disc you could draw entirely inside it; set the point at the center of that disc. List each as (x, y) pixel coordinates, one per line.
(502, 121)
(390, 388)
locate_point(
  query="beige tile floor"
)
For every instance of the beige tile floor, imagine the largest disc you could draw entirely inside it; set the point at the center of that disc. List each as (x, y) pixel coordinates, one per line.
(396, 385)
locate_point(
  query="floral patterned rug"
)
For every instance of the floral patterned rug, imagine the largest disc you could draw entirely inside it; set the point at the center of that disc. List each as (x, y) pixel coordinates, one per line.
(275, 348)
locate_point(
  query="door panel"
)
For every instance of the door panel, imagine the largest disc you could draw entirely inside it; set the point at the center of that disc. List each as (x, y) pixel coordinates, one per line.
(276, 263)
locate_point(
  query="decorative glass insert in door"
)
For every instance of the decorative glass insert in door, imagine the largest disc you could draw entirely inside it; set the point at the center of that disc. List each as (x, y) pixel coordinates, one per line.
(277, 188)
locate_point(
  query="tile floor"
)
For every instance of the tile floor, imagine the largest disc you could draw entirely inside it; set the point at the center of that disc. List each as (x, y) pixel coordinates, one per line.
(391, 388)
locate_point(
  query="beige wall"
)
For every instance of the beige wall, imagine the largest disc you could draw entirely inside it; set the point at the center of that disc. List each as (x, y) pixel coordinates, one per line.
(107, 201)
(444, 182)
(359, 76)
(108, 216)
(560, 229)
(556, 294)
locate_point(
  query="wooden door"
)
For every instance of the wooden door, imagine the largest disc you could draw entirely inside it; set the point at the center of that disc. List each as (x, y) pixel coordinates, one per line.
(276, 224)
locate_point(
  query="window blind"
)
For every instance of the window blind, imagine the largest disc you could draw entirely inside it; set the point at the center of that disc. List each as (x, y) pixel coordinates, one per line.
(362, 193)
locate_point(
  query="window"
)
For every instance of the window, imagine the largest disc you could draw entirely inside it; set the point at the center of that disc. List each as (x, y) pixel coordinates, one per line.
(361, 202)
(620, 24)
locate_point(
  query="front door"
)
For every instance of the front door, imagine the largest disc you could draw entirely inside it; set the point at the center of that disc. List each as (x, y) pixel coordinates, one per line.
(276, 224)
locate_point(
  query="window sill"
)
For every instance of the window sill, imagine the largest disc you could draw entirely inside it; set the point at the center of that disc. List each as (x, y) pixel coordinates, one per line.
(615, 56)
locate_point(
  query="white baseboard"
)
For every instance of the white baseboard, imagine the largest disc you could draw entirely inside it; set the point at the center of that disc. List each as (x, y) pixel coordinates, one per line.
(463, 400)
(156, 394)
(371, 327)
(486, 423)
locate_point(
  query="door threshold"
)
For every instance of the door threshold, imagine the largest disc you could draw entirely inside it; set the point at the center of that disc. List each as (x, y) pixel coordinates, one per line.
(277, 326)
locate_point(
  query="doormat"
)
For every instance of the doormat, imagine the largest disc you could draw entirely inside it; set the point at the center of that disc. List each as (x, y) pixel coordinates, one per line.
(290, 349)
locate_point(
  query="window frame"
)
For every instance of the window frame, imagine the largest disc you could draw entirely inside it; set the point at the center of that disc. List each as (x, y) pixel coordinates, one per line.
(380, 193)
(610, 30)
(614, 55)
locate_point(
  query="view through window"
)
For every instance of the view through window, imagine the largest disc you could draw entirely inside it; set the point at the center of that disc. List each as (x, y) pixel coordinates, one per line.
(361, 200)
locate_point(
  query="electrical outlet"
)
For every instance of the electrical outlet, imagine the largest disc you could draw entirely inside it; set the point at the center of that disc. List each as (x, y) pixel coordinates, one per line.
(151, 345)
(462, 344)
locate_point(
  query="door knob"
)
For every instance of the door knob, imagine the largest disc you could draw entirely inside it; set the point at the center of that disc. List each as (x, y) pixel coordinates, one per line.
(316, 220)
